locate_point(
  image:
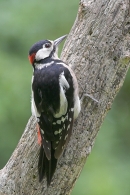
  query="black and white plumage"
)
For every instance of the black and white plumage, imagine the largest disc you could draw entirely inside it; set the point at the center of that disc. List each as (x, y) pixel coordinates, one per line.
(55, 103)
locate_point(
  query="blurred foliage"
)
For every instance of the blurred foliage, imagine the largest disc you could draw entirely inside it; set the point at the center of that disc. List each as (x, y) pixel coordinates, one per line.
(23, 23)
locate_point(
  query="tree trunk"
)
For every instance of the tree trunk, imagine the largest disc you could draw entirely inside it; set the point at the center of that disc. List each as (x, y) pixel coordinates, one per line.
(98, 49)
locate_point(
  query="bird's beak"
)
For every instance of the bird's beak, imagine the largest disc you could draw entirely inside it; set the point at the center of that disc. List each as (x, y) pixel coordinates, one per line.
(57, 41)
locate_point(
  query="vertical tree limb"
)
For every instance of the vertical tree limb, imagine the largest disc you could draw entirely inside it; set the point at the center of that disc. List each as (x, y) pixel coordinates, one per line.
(98, 49)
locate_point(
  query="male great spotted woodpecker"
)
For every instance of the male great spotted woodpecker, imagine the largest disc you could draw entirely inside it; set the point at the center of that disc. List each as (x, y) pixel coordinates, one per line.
(55, 103)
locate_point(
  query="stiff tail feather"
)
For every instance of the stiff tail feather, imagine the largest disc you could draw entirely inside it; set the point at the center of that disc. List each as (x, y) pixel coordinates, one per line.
(46, 167)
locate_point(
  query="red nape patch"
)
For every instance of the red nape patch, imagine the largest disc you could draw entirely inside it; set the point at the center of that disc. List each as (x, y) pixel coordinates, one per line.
(31, 58)
(39, 135)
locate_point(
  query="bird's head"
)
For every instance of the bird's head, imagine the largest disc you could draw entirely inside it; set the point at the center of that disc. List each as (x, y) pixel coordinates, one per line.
(44, 49)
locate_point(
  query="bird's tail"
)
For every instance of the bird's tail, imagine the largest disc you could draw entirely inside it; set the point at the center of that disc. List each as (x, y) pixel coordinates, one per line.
(46, 167)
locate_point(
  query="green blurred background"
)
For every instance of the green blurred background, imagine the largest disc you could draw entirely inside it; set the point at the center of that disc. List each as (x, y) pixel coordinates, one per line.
(22, 23)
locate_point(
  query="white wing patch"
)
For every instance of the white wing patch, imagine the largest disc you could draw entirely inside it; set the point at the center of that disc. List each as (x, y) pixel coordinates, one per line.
(64, 85)
(63, 82)
(77, 104)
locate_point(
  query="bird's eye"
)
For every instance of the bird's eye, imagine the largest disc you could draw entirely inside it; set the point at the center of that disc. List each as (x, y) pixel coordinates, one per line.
(47, 45)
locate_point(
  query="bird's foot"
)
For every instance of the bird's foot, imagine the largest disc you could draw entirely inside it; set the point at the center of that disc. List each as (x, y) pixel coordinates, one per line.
(88, 96)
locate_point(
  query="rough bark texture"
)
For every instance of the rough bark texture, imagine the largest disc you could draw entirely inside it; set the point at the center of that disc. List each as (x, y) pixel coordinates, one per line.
(98, 49)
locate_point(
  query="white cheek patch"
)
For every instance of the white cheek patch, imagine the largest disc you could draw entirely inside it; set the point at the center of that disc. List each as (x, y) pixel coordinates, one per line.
(43, 52)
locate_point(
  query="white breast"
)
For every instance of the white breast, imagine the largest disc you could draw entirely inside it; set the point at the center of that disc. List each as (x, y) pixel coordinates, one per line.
(33, 106)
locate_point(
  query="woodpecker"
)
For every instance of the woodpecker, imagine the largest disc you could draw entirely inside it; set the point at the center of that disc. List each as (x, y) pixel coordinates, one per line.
(55, 103)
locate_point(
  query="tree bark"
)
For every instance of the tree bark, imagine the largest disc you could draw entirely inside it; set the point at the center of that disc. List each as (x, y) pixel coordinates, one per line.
(98, 49)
